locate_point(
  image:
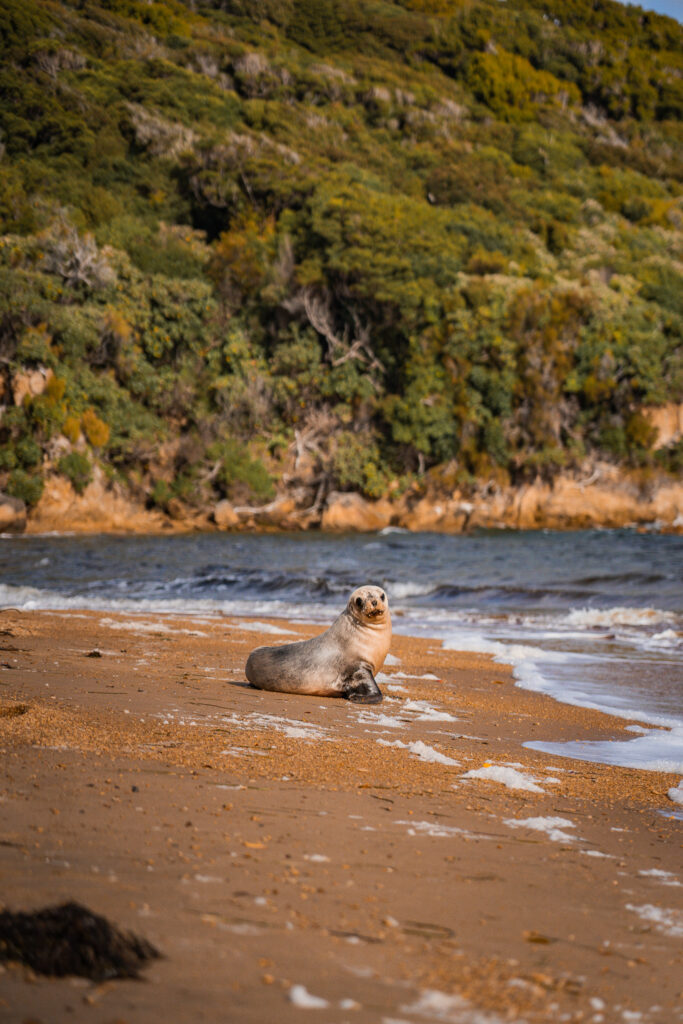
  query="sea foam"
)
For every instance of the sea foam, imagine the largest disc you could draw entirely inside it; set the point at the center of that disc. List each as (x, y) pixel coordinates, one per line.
(301, 997)
(668, 922)
(657, 750)
(610, 617)
(509, 777)
(676, 793)
(421, 750)
(554, 828)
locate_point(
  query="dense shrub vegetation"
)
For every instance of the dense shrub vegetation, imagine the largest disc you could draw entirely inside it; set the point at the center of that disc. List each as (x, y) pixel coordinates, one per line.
(378, 236)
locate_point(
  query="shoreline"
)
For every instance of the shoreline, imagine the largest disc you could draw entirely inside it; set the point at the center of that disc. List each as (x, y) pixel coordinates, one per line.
(597, 495)
(501, 651)
(180, 529)
(282, 841)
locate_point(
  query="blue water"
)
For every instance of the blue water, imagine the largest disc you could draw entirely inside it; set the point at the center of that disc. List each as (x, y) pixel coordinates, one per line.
(592, 618)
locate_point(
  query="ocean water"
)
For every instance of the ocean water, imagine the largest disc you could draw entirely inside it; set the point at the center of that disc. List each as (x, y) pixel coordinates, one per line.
(592, 618)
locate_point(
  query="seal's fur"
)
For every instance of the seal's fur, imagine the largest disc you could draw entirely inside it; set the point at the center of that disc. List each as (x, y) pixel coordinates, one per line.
(341, 662)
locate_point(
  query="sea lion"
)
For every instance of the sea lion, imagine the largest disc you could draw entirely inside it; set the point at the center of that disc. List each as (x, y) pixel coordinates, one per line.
(341, 662)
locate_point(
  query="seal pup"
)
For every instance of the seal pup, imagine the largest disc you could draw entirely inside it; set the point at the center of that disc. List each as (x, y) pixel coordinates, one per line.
(341, 662)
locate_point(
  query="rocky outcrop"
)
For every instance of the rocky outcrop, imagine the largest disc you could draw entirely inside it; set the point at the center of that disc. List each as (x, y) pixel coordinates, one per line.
(12, 514)
(443, 515)
(667, 420)
(288, 511)
(31, 383)
(100, 508)
(603, 496)
(350, 511)
(224, 516)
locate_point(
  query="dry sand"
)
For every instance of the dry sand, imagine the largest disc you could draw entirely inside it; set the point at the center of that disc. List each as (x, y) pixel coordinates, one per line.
(276, 847)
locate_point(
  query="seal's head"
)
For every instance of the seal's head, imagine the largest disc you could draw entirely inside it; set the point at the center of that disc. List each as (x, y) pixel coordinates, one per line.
(369, 605)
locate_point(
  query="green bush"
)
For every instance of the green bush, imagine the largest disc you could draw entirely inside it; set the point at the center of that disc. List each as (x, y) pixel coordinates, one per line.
(161, 494)
(241, 476)
(26, 486)
(8, 458)
(357, 465)
(29, 454)
(77, 468)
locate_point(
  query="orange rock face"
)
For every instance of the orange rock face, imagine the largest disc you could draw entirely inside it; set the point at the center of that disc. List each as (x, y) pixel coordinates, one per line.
(98, 509)
(667, 421)
(224, 516)
(350, 511)
(31, 384)
(603, 497)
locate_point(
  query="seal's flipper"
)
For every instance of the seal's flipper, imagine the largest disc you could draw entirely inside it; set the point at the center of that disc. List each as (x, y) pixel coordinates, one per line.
(361, 687)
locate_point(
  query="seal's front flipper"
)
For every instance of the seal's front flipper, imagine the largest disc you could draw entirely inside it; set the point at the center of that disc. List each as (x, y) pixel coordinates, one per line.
(361, 687)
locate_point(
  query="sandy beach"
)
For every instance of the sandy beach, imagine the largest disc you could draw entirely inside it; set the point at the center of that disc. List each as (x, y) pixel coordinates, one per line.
(300, 858)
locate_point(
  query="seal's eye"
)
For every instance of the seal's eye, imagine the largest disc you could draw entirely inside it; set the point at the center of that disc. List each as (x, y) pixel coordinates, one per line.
(382, 597)
(359, 602)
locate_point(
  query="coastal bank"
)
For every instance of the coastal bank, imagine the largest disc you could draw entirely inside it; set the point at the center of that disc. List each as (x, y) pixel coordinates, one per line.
(601, 495)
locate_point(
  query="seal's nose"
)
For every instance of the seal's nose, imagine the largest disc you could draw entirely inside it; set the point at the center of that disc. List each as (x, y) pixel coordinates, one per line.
(374, 603)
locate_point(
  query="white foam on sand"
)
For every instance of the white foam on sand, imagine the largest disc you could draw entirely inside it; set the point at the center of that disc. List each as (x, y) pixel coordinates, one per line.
(433, 828)
(304, 1000)
(316, 858)
(421, 750)
(657, 750)
(509, 777)
(668, 922)
(676, 793)
(663, 877)
(380, 720)
(407, 675)
(450, 1009)
(422, 711)
(291, 727)
(553, 827)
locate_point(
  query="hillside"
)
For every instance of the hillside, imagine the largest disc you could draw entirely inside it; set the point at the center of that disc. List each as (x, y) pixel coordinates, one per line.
(251, 246)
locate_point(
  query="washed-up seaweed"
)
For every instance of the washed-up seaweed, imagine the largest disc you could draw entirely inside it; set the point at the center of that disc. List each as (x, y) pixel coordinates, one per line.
(70, 939)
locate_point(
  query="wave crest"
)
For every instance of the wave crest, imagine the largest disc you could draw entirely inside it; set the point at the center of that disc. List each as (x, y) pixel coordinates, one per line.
(620, 616)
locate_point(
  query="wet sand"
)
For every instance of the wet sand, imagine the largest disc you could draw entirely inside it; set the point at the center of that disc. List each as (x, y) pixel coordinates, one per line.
(276, 848)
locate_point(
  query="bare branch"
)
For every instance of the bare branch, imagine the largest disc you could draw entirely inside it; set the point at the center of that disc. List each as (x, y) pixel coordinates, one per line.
(340, 348)
(320, 425)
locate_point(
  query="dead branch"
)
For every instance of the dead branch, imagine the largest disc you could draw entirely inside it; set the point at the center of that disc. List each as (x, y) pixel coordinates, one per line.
(316, 307)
